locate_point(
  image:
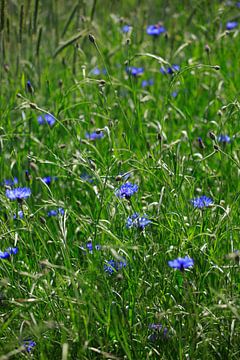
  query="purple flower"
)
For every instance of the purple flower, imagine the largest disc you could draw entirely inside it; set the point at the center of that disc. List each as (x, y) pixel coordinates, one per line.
(46, 119)
(158, 330)
(94, 135)
(231, 25)
(126, 190)
(126, 29)
(201, 202)
(8, 252)
(135, 71)
(86, 177)
(224, 139)
(18, 193)
(155, 30)
(19, 215)
(112, 266)
(10, 182)
(48, 179)
(59, 211)
(89, 246)
(174, 94)
(181, 263)
(29, 345)
(146, 83)
(137, 221)
(170, 70)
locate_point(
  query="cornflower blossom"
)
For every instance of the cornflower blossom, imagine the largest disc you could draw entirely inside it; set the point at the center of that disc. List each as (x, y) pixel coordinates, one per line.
(112, 266)
(158, 330)
(59, 211)
(48, 179)
(29, 345)
(10, 182)
(46, 119)
(224, 139)
(8, 252)
(137, 221)
(231, 25)
(90, 247)
(146, 83)
(170, 70)
(94, 135)
(18, 193)
(126, 29)
(181, 263)
(155, 30)
(201, 202)
(126, 190)
(135, 71)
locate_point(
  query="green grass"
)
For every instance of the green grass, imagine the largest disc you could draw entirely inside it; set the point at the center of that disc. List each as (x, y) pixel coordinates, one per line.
(53, 291)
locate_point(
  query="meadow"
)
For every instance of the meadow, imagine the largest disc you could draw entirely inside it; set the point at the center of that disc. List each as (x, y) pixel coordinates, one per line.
(119, 191)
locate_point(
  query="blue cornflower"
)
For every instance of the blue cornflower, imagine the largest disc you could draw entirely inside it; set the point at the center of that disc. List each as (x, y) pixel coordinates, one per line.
(201, 202)
(94, 135)
(231, 25)
(170, 70)
(135, 71)
(89, 246)
(95, 71)
(112, 266)
(48, 179)
(181, 263)
(158, 330)
(19, 215)
(18, 193)
(155, 30)
(174, 94)
(8, 252)
(126, 29)
(46, 119)
(10, 182)
(29, 345)
(59, 211)
(146, 83)
(137, 221)
(224, 139)
(126, 190)
(86, 177)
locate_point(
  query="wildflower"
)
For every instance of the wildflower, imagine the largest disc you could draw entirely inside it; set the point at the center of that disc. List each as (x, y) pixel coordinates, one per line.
(19, 215)
(135, 71)
(126, 29)
(137, 221)
(146, 83)
(48, 179)
(201, 202)
(181, 263)
(174, 94)
(10, 182)
(8, 252)
(170, 70)
(231, 25)
(86, 177)
(112, 266)
(46, 119)
(18, 193)
(89, 246)
(224, 139)
(29, 345)
(59, 211)
(158, 330)
(96, 71)
(126, 190)
(155, 30)
(94, 135)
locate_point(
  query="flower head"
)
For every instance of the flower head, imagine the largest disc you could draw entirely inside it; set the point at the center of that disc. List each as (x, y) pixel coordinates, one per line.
(8, 252)
(112, 266)
(137, 221)
(126, 190)
(94, 135)
(201, 202)
(89, 246)
(170, 70)
(135, 71)
(29, 345)
(126, 29)
(59, 211)
(231, 25)
(146, 83)
(18, 193)
(48, 179)
(46, 119)
(19, 215)
(10, 182)
(225, 139)
(155, 30)
(181, 263)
